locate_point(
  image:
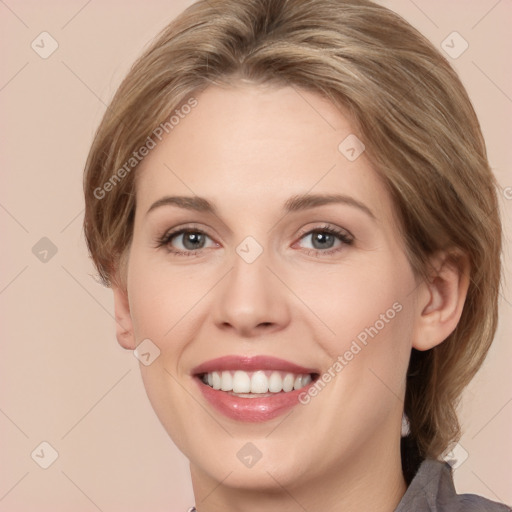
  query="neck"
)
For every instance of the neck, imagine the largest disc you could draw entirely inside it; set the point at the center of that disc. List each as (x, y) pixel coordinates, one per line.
(372, 480)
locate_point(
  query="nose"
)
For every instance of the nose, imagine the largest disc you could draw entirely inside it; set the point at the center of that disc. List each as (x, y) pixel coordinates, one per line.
(251, 300)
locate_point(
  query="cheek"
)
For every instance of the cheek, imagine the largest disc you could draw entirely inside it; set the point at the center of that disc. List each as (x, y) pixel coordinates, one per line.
(362, 301)
(162, 298)
(385, 351)
(369, 311)
(160, 306)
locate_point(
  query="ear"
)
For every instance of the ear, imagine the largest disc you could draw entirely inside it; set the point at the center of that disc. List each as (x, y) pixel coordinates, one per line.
(124, 324)
(441, 299)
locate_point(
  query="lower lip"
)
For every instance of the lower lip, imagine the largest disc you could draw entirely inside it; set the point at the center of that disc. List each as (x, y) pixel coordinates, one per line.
(251, 409)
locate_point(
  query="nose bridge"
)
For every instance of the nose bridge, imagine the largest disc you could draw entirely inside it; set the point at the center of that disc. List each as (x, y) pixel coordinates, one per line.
(250, 270)
(251, 298)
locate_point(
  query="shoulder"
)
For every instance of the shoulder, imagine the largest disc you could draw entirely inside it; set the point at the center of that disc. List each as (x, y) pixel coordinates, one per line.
(432, 490)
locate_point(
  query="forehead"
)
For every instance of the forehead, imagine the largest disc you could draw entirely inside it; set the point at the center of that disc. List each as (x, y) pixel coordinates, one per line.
(251, 144)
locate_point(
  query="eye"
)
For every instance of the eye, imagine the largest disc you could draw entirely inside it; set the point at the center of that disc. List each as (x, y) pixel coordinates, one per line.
(190, 241)
(327, 240)
(185, 241)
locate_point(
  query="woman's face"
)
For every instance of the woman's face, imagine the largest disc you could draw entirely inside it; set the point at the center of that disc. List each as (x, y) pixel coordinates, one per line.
(291, 268)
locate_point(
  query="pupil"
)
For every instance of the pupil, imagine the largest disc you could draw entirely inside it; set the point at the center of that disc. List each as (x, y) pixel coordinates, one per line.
(323, 238)
(192, 240)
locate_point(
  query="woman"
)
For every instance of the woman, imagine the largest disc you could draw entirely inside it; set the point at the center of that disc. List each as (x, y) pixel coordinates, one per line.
(292, 203)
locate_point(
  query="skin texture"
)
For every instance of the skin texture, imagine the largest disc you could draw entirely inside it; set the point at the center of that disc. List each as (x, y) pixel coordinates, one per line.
(247, 149)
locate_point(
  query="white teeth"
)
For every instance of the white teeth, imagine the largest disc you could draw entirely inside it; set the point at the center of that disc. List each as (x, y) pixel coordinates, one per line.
(258, 382)
(226, 381)
(275, 383)
(306, 380)
(215, 380)
(301, 381)
(288, 382)
(241, 382)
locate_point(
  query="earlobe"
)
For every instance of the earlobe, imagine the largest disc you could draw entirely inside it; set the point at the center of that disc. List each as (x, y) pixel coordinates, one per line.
(441, 300)
(124, 324)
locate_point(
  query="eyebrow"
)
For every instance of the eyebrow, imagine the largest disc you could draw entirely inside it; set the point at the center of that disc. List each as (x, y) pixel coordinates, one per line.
(293, 204)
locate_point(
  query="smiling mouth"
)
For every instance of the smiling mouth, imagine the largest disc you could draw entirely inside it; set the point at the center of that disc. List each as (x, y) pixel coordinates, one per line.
(256, 384)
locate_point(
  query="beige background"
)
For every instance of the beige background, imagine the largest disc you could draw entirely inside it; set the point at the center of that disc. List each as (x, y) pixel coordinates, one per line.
(64, 379)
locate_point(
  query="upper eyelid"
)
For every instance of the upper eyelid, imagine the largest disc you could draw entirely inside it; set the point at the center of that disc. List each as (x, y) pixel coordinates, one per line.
(302, 231)
(327, 227)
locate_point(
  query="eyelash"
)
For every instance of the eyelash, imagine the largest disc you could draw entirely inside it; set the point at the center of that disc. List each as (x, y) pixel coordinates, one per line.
(342, 235)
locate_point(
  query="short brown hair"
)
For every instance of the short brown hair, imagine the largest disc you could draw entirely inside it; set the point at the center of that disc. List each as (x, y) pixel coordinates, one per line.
(418, 125)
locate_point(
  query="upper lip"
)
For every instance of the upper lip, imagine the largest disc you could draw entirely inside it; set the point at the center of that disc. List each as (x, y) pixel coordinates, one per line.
(250, 363)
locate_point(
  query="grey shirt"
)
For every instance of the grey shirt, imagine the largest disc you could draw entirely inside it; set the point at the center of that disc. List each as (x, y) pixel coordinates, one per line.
(432, 490)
